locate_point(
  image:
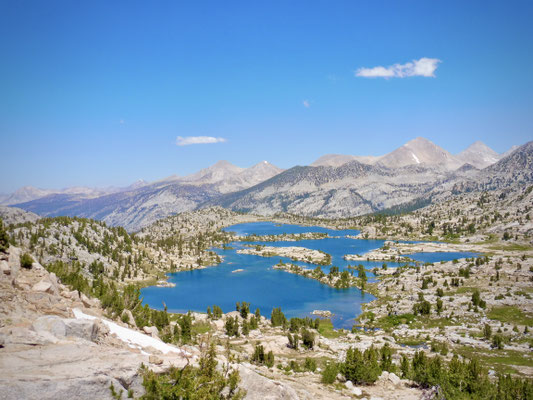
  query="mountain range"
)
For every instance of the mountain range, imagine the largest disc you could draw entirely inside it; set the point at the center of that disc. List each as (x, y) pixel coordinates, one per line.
(140, 206)
(332, 186)
(421, 151)
(29, 193)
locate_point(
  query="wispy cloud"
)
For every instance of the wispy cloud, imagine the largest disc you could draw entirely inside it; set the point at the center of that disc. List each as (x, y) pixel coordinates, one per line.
(188, 140)
(422, 67)
(306, 103)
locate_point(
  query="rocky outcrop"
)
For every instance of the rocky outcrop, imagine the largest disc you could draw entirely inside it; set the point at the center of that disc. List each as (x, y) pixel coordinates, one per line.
(260, 388)
(55, 344)
(47, 353)
(67, 370)
(14, 215)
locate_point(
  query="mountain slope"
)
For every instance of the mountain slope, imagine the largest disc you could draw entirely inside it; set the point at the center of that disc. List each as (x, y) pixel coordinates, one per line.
(508, 152)
(226, 177)
(351, 189)
(146, 203)
(132, 209)
(514, 169)
(26, 193)
(336, 160)
(414, 152)
(29, 193)
(420, 151)
(355, 188)
(249, 177)
(411, 175)
(479, 155)
(215, 173)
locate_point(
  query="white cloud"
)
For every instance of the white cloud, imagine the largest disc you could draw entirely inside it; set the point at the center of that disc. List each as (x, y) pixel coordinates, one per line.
(423, 67)
(187, 140)
(306, 103)
(122, 122)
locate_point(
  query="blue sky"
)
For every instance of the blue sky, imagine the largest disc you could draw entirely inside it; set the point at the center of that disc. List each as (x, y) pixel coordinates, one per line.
(96, 93)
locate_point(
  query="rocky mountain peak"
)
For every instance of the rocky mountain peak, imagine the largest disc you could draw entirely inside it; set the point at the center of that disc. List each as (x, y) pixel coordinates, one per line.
(248, 177)
(224, 164)
(264, 166)
(419, 141)
(479, 145)
(421, 144)
(516, 168)
(518, 161)
(138, 183)
(215, 173)
(332, 160)
(420, 151)
(479, 155)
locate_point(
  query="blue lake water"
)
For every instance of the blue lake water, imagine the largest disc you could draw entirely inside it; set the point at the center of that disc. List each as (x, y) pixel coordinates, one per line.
(264, 287)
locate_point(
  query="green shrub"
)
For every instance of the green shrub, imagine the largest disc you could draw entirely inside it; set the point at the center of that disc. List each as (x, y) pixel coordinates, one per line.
(310, 364)
(497, 342)
(259, 356)
(329, 374)
(26, 261)
(439, 306)
(4, 238)
(465, 379)
(204, 382)
(308, 338)
(125, 318)
(423, 308)
(405, 367)
(476, 299)
(293, 341)
(487, 332)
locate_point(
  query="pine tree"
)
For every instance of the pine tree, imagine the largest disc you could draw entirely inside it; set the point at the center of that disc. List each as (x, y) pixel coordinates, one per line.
(293, 341)
(4, 238)
(361, 368)
(278, 318)
(245, 328)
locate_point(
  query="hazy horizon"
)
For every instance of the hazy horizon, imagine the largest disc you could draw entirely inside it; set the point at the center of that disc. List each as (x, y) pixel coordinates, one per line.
(210, 163)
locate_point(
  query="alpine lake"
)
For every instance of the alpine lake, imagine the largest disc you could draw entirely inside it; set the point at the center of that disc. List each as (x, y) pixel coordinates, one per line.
(266, 288)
